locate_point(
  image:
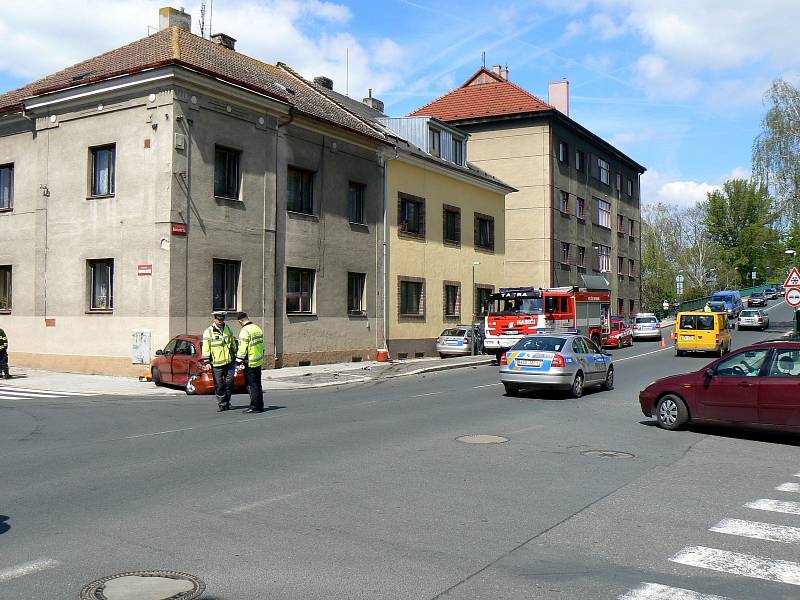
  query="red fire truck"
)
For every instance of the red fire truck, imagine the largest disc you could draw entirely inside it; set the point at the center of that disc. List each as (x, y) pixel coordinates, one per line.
(516, 312)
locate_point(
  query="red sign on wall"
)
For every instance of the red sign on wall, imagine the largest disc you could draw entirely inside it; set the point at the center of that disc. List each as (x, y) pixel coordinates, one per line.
(143, 270)
(179, 229)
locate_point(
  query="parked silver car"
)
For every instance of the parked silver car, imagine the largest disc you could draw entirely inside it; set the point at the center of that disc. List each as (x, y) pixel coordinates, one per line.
(455, 341)
(570, 362)
(753, 317)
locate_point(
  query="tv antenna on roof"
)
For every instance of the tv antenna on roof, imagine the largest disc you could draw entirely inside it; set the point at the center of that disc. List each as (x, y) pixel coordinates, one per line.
(202, 20)
(483, 55)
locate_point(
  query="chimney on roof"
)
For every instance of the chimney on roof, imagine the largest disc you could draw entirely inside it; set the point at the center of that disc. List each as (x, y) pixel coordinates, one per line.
(223, 40)
(323, 81)
(558, 95)
(496, 69)
(174, 17)
(373, 102)
(504, 73)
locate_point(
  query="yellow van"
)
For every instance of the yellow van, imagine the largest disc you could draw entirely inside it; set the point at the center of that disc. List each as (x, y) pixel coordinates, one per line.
(699, 331)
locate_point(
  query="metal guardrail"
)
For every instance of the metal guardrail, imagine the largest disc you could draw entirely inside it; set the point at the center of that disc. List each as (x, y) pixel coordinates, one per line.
(699, 303)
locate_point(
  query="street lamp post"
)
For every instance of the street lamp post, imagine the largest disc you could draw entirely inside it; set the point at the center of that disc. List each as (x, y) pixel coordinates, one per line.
(474, 307)
(794, 255)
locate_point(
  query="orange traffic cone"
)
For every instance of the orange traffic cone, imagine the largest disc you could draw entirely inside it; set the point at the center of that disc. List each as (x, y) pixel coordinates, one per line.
(663, 342)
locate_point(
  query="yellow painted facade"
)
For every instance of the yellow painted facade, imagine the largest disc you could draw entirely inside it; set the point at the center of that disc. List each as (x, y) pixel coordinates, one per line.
(520, 155)
(429, 258)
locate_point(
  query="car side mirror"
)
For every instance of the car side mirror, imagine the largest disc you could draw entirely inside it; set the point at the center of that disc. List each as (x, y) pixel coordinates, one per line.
(159, 352)
(709, 372)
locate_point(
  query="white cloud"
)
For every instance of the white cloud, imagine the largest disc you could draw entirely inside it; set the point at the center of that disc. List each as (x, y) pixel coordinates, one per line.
(43, 36)
(659, 187)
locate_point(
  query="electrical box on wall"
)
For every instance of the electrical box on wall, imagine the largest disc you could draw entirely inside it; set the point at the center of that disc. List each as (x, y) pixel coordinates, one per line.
(140, 346)
(180, 141)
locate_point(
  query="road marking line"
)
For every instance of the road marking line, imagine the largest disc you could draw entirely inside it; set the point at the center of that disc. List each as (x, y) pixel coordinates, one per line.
(656, 591)
(759, 531)
(790, 508)
(487, 385)
(27, 396)
(789, 487)
(262, 503)
(616, 360)
(14, 388)
(28, 568)
(141, 435)
(744, 565)
(428, 394)
(776, 305)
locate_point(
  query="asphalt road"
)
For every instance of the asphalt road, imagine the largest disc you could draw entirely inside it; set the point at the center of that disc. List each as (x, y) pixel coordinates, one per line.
(364, 492)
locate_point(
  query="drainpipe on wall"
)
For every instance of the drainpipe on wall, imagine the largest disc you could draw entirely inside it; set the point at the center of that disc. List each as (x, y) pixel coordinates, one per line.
(275, 279)
(386, 282)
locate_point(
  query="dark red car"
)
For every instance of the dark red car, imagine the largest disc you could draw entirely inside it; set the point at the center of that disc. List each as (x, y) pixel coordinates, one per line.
(621, 334)
(756, 386)
(179, 364)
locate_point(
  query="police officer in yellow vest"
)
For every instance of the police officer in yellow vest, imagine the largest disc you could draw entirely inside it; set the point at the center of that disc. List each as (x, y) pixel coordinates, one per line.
(251, 356)
(219, 349)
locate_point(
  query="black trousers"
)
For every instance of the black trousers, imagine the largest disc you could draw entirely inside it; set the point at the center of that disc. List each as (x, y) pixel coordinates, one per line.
(223, 382)
(4, 361)
(252, 376)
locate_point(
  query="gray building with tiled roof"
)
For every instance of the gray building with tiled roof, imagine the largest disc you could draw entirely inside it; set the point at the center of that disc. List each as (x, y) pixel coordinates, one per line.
(145, 187)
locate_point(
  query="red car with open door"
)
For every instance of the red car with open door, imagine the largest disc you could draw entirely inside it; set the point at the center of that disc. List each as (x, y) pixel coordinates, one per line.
(758, 386)
(179, 364)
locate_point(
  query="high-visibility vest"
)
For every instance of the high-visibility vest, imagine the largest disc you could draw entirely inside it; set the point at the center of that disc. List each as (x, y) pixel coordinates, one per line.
(251, 345)
(219, 346)
(3, 341)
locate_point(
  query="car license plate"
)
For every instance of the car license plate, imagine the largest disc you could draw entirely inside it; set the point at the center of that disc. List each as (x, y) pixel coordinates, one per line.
(523, 362)
(512, 332)
(687, 337)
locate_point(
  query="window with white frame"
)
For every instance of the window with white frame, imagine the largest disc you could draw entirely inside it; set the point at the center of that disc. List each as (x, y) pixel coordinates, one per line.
(581, 208)
(5, 288)
(225, 284)
(630, 187)
(458, 152)
(101, 284)
(452, 300)
(102, 170)
(563, 153)
(434, 142)
(604, 258)
(565, 253)
(620, 266)
(299, 290)
(603, 169)
(581, 256)
(580, 160)
(564, 202)
(604, 213)
(6, 187)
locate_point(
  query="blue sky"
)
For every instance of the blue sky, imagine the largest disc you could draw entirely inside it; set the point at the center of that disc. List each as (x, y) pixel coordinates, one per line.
(676, 85)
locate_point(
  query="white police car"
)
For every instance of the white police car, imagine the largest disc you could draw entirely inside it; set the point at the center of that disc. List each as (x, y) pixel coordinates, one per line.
(569, 361)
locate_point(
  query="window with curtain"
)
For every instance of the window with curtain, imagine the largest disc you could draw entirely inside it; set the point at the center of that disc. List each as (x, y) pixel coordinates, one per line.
(299, 290)
(225, 284)
(227, 174)
(103, 167)
(6, 187)
(101, 284)
(299, 193)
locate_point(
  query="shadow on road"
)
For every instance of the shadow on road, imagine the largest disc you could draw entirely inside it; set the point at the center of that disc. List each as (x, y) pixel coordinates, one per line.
(754, 435)
(3, 525)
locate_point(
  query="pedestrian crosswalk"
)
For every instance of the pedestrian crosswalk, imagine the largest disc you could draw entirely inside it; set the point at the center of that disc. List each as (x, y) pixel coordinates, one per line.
(13, 392)
(751, 565)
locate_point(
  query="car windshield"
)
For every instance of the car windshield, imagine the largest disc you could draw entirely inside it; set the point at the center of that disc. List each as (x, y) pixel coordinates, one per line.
(542, 343)
(717, 306)
(521, 305)
(699, 322)
(750, 313)
(646, 320)
(756, 295)
(454, 332)
(723, 297)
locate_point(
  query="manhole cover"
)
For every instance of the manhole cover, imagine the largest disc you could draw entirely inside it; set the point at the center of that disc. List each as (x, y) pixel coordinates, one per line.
(608, 454)
(145, 585)
(482, 439)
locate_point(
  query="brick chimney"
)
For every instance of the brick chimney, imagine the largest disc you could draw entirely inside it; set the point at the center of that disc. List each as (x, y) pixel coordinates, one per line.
(496, 69)
(558, 95)
(223, 40)
(504, 73)
(373, 102)
(323, 81)
(173, 17)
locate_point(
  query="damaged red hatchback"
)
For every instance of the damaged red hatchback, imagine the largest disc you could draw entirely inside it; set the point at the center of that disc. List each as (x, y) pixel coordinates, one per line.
(179, 364)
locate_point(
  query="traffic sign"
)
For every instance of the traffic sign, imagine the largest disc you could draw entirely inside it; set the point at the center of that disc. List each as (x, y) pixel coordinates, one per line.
(793, 297)
(793, 280)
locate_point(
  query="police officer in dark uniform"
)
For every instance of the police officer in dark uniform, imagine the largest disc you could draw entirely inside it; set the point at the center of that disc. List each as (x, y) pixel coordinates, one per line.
(4, 355)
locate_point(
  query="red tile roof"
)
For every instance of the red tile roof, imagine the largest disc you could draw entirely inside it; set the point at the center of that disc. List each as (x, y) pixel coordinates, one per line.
(175, 46)
(473, 100)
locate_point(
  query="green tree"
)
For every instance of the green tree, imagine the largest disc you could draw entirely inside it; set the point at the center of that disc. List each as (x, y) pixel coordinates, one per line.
(740, 220)
(776, 150)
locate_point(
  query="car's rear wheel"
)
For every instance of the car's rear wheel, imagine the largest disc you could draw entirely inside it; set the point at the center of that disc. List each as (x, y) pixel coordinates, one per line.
(156, 377)
(511, 389)
(577, 385)
(680, 353)
(671, 412)
(608, 384)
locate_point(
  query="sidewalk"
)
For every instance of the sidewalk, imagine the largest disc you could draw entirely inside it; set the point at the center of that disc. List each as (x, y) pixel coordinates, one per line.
(288, 378)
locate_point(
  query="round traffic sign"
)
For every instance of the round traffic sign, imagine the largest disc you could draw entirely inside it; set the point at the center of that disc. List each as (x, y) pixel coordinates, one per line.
(793, 296)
